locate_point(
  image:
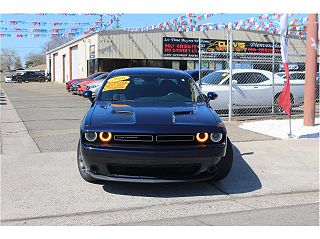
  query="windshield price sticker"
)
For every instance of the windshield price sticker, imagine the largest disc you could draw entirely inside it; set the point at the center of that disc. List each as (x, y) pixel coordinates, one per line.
(118, 78)
(120, 85)
(117, 83)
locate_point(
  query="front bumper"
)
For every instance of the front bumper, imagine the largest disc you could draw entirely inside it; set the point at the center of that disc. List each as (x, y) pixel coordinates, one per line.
(74, 90)
(153, 164)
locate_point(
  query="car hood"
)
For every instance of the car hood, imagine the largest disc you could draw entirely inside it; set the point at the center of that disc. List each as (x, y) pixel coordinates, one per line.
(153, 115)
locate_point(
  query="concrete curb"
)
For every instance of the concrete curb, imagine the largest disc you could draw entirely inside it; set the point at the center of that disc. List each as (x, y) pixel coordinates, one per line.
(15, 137)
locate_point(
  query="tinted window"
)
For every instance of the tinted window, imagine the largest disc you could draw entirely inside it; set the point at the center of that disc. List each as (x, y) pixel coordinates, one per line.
(150, 89)
(100, 77)
(94, 75)
(31, 73)
(214, 78)
(195, 74)
(249, 78)
(297, 76)
(258, 78)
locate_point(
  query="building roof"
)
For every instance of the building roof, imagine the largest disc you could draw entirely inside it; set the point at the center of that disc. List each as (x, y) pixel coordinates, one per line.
(38, 67)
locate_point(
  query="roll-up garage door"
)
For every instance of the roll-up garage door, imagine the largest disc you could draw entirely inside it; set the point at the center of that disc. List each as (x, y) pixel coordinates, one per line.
(55, 67)
(74, 62)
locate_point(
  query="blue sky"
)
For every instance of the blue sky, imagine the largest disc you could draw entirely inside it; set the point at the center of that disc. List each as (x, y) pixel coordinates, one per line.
(24, 46)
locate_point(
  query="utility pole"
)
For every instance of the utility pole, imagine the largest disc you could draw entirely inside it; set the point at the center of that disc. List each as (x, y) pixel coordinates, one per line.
(311, 71)
(101, 21)
(117, 20)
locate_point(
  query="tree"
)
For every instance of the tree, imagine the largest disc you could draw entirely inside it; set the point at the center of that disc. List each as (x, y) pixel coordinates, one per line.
(35, 59)
(56, 42)
(18, 63)
(9, 59)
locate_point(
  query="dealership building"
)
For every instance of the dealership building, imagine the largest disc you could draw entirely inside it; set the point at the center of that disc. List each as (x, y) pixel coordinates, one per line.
(113, 49)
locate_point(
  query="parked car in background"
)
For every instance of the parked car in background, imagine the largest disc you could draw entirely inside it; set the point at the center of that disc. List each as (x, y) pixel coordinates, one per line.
(195, 73)
(28, 76)
(8, 79)
(299, 77)
(92, 76)
(281, 74)
(251, 88)
(152, 125)
(82, 86)
(94, 87)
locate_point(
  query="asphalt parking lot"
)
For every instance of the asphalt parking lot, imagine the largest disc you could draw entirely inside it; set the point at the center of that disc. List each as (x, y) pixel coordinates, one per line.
(53, 116)
(40, 183)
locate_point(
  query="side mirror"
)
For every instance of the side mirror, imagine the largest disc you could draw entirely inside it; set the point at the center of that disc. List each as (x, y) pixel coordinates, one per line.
(234, 82)
(211, 96)
(88, 94)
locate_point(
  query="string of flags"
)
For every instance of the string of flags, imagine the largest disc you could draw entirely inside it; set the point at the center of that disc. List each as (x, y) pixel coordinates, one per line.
(176, 24)
(185, 23)
(54, 32)
(38, 23)
(57, 23)
(265, 22)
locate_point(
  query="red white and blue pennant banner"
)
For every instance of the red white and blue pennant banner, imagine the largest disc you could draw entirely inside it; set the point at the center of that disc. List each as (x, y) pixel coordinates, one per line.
(186, 23)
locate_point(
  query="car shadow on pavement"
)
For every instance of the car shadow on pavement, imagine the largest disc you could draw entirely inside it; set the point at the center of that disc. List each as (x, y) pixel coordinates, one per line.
(241, 179)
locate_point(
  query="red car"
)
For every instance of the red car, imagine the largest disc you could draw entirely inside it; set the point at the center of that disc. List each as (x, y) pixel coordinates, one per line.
(90, 77)
(82, 86)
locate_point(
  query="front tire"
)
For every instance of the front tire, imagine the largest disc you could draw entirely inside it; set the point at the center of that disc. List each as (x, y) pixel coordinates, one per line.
(225, 164)
(82, 168)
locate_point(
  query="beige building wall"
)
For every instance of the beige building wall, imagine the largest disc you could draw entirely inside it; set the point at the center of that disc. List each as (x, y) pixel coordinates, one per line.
(119, 44)
(57, 55)
(148, 45)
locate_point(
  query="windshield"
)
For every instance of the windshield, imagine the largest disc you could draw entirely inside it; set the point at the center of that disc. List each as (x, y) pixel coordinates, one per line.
(150, 89)
(94, 75)
(100, 77)
(214, 78)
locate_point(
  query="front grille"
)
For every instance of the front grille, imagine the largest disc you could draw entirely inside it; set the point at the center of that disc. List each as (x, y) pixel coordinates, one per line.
(133, 138)
(175, 170)
(174, 138)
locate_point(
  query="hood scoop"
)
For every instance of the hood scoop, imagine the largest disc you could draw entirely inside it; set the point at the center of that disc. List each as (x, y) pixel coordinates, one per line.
(184, 112)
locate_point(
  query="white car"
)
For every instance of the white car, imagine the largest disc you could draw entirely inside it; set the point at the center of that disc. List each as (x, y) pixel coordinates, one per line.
(94, 87)
(250, 89)
(8, 79)
(296, 76)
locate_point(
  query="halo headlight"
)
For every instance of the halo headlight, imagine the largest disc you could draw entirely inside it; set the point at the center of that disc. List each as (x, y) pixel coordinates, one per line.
(105, 137)
(202, 137)
(90, 136)
(216, 137)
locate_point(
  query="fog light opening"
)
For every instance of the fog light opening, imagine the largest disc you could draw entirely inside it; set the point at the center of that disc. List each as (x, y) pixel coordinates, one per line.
(202, 137)
(105, 137)
(94, 168)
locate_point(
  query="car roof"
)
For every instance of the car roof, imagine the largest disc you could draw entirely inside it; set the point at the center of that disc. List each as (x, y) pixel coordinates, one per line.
(148, 71)
(244, 70)
(203, 70)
